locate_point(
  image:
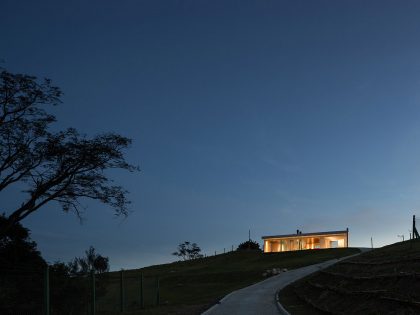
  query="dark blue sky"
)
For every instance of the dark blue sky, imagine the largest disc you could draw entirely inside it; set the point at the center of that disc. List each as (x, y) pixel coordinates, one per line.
(268, 115)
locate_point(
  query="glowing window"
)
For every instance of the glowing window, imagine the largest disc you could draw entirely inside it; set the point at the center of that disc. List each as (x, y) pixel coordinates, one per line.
(333, 244)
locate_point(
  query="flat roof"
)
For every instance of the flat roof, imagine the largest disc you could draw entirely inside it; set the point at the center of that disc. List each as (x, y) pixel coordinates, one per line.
(306, 234)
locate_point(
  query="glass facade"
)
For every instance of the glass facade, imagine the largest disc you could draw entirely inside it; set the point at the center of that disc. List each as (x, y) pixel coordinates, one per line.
(320, 240)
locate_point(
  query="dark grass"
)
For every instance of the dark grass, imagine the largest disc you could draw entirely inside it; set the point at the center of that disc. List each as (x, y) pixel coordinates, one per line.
(392, 260)
(191, 287)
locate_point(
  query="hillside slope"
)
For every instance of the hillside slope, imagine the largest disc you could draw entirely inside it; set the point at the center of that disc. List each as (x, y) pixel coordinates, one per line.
(381, 281)
(190, 287)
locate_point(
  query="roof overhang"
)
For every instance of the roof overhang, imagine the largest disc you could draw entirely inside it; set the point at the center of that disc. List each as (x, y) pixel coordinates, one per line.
(306, 234)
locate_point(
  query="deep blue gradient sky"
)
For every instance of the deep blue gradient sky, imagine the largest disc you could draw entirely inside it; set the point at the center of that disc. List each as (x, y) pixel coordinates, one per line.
(264, 115)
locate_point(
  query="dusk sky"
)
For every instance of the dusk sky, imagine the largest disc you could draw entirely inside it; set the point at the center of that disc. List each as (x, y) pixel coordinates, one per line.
(264, 115)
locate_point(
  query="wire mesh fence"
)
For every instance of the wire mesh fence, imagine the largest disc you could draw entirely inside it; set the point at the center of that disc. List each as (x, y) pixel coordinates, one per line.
(36, 292)
(127, 292)
(21, 291)
(50, 290)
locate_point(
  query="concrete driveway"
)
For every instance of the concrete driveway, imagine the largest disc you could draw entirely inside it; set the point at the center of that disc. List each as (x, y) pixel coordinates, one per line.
(260, 298)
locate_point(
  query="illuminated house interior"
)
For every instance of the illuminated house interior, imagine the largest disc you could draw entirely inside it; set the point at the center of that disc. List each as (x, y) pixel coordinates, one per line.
(301, 241)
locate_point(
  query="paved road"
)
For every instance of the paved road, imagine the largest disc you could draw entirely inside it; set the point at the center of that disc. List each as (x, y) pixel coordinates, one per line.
(260, 298)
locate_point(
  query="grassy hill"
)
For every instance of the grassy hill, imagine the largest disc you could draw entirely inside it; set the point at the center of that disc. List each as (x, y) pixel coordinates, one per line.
(381, 281)
(191, 287)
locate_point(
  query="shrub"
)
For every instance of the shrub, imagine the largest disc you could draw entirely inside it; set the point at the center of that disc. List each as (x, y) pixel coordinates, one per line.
(249, 245)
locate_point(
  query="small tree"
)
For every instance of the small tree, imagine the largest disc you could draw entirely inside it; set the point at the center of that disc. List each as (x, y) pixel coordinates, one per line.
(91, 262)
(188, 251)
(71, 293)
(250, 244)
(71, 290)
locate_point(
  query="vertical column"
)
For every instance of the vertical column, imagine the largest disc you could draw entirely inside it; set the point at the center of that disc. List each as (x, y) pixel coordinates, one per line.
(157, 291)
(122, 291)
(47, 290)
(267, 246)
(141, 291)
(93, 293)
(347, 237)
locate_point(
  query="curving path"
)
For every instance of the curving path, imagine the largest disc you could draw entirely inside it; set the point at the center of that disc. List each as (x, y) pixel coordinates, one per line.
(260, 298)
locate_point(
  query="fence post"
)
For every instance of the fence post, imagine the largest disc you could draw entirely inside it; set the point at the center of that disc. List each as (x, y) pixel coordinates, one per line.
(93, 293)
(157, 291)
(141, 291)
(122, 291)
(47, 290)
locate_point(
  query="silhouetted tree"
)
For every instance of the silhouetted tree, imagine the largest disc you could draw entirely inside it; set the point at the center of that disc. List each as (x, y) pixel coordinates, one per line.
(22, 277)
(21, 272)
(62, 167)
(250, 244)
(91, 262)
(17, 250)
(70, 294)
(70, 282)
(188, 251)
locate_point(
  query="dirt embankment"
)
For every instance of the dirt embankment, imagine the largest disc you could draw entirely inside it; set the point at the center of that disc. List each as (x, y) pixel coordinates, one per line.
(383, 281)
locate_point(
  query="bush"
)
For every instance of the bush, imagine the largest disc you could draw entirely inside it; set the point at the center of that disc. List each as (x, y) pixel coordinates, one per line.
(249, 245)
(21, 272)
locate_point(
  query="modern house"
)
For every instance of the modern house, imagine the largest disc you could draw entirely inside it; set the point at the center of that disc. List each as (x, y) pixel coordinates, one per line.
(300, 241)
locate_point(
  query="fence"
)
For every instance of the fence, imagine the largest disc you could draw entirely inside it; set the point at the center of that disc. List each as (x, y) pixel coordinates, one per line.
(50, 291)
(21, 291)
(220, 252)
(44, 292)
(126, 291)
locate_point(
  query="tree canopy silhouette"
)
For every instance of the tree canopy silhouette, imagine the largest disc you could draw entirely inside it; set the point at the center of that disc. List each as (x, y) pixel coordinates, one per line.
(188, 251)
(91, 262)
(71, 291)
(21, 267)
(250, 244)
(60, 166)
